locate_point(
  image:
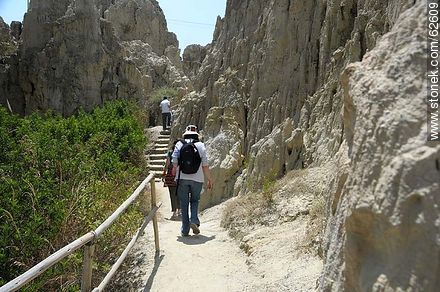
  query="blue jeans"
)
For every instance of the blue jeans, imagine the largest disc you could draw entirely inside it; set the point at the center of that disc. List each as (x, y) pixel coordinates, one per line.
(189, 195)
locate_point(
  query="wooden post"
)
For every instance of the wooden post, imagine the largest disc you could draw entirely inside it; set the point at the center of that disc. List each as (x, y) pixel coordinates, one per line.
(153, 204)
(86, 280)
(145, 202)
(42, 266)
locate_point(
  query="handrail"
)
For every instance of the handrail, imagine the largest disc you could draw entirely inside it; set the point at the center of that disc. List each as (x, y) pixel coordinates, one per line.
(88, 240)
(124, 254)
(109, 221)
(41, 267)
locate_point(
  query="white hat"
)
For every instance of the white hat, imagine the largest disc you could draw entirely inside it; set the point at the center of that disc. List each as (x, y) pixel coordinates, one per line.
(190, 130)
(190, 133)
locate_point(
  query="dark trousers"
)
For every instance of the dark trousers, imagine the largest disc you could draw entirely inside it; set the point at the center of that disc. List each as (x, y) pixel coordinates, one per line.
(166, 120)
(175, 203)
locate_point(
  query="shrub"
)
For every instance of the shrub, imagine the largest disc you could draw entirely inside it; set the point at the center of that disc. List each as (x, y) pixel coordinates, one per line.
(60, 178)
(268, 187)
(299, 192)
(8, 48)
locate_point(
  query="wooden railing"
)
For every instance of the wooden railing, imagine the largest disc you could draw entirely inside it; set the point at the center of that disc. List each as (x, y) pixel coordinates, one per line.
(88, 242)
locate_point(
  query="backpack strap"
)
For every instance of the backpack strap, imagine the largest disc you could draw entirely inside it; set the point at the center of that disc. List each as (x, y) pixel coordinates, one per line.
(178, 177)
(183, 141)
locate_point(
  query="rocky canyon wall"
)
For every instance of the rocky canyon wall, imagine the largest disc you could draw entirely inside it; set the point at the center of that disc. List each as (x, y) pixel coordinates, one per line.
(268, 95)
(76, 53)
(11, 94)
(295, 84)
(193, 56)
(383, 227)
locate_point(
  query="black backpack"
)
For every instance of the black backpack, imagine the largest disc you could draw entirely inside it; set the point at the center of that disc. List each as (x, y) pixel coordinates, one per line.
(189, 158)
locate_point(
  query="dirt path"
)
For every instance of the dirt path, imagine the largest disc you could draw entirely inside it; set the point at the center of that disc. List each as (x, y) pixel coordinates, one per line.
(210, 261)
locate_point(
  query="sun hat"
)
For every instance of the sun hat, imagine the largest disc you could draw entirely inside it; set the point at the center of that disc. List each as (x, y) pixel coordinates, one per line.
(190, 130)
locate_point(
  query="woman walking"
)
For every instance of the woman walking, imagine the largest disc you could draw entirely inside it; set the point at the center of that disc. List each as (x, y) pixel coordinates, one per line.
(169, 181)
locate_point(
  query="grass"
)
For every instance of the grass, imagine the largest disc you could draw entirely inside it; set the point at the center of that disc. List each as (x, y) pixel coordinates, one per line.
(269, 204)
(316, 224)
(268, 188)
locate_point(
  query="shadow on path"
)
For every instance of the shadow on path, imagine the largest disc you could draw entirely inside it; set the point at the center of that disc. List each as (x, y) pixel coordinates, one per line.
(195, 239)
(157, 260)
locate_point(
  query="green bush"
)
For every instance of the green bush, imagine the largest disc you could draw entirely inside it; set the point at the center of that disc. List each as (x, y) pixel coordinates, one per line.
(8, 48)
(61, 177)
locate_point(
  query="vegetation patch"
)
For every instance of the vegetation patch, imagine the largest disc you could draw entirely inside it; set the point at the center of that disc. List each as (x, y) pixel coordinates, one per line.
(62, 177)
(8, 48)
(299, 194)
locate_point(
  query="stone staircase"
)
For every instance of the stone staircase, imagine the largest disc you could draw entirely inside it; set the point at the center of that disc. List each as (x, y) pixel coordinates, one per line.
(157, 157)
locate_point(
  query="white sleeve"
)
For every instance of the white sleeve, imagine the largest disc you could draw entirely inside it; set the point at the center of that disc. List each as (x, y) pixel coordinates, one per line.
(203, 153)
(176, 152)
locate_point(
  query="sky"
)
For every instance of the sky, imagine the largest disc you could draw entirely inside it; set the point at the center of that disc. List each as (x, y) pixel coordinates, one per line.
(12, 10)
(193, 21)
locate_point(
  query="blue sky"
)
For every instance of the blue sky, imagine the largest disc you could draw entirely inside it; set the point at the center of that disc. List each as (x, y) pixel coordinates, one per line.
(201, 13)
(193, 21)
(12, 10)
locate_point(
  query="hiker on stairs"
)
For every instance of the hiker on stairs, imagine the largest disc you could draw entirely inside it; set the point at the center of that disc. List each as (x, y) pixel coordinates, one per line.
(190, 163)
(166, 113)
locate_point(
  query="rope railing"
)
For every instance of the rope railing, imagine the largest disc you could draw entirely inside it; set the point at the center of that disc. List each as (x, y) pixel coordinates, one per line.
(88, 242)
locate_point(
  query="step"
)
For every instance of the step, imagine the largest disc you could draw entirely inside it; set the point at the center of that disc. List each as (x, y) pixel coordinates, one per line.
(157, 162)
(160, 156)
(165, 132)
(163, 137)
(156, 173)
(160, 147)
(156, 168)
(163, 140)
(161, 143)
(159, 151)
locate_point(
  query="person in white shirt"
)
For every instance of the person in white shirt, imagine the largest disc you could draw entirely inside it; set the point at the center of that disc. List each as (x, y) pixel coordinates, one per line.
(166, 113)
(189, 186)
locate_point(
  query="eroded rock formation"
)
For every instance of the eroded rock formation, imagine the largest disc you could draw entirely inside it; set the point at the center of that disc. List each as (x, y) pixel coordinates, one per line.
(81, 53)
(269, 98)
(141, 20)
(385, 230)
(11, 94)
(193, 56)
(276, 60)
